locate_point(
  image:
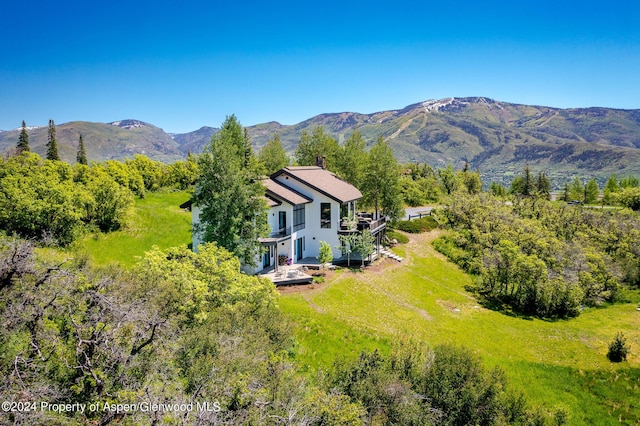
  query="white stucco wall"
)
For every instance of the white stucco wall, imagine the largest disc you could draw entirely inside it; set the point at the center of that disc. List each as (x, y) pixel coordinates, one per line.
(313, 232)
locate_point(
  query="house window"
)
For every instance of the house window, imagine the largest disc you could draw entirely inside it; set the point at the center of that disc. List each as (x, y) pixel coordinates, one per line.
(325, 215)
(298, 217)
(282, 222)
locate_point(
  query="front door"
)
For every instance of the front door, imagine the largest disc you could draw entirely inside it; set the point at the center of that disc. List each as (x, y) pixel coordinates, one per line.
(266, 258)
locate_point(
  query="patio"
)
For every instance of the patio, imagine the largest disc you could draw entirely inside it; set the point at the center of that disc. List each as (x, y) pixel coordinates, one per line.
(287, 275)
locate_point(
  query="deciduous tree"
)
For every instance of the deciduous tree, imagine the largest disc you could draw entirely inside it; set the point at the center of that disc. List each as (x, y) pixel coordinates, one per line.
(448, 179)
(348, 245)
(630, 197)
(574, 190)
(365, 244)
(629, 182)
(471, 181)
(230, 195)
(591, 192)
(182, 174)
(317, 144)
(325, 254)
(381, 185)
(352, 159)
(610, 189)
(273, 155)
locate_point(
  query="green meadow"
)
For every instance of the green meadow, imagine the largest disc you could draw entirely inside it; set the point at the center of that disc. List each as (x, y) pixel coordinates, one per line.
(156, 219)
(555, 363)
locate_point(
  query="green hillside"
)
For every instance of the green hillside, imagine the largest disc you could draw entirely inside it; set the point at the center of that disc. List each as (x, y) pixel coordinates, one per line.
(555, 363)
(423, 298)
(113, 141)
(496, 138)
(156, 220)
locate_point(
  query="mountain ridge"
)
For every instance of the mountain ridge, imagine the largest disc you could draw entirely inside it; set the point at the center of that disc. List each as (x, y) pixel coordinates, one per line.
(498, 138)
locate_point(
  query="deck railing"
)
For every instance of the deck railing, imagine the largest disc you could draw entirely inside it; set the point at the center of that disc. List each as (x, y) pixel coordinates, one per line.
(363, 223)
(282, 232)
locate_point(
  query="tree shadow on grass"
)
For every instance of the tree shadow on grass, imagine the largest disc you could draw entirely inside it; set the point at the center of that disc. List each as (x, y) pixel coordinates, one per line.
(497, 305)
(506, 309)
(356, 269)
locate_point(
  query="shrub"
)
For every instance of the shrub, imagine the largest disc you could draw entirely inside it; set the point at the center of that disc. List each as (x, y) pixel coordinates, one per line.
(630, 197)
(618, 349)
(416, 226)
(400, 238)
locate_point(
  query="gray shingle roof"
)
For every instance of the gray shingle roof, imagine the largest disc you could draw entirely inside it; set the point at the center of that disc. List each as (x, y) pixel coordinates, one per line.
(277, 191)
(323, 181)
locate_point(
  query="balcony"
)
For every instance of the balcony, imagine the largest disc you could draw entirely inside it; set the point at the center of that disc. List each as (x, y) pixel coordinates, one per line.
(361, 223)
(282, 232)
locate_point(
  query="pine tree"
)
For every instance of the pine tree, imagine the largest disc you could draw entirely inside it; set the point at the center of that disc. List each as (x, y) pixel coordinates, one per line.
(248, 149)
(52, 145)
(543, 185)
(23, 139)
(81, 158)
(528, 184)
(618, 349)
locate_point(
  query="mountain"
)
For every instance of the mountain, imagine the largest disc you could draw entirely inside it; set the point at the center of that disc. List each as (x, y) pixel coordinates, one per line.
(103, 141)
(194, 141)
(497, 138)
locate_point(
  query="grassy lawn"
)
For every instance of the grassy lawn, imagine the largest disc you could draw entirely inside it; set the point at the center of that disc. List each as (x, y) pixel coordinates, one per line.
(156, 220)
(424, 298)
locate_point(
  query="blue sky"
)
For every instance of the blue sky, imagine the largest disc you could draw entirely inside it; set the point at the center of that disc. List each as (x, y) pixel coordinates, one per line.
(184, 64)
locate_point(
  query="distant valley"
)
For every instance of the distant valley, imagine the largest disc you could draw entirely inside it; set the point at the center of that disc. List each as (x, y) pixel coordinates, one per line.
(496, 138)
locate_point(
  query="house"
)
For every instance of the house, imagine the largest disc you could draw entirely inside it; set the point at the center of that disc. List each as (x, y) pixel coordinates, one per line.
(307, 205)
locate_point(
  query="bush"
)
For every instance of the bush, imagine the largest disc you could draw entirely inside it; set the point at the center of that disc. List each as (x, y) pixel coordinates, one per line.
(618, 349)
(446, 385)
(400, 238)
(416, 226)
(630, 197)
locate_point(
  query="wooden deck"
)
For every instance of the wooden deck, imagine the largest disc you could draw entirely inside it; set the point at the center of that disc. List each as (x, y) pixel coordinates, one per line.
(300, 272)
(288, 275)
